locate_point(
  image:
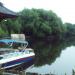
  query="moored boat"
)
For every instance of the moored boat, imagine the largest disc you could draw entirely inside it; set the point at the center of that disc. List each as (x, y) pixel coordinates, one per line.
(16, 53)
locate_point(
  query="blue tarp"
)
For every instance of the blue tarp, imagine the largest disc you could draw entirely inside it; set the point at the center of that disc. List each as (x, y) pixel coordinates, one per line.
(12, 41)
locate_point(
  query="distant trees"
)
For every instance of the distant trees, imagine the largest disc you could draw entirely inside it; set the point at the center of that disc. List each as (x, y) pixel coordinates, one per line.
(70, 29)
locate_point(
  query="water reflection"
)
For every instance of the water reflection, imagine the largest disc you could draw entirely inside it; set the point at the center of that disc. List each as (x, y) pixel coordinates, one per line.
(55, 57)
(46, 52)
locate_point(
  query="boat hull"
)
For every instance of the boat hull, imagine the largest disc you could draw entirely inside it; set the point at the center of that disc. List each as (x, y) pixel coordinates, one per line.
(17, 62)
(22, 66)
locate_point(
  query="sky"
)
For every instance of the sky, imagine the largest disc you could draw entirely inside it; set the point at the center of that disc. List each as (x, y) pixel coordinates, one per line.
(65, 9)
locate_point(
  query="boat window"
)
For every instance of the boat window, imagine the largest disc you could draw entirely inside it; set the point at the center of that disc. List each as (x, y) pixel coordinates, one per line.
(30, 51)
(25, 44)
(26, 51)
(3, 45)
(17, 45)
(1, 58)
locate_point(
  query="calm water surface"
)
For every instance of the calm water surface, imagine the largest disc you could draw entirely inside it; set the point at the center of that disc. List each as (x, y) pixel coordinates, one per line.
(63, 64)
(55, 57)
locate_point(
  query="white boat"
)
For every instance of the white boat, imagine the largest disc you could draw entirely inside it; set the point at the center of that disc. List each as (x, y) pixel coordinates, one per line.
(14, 53)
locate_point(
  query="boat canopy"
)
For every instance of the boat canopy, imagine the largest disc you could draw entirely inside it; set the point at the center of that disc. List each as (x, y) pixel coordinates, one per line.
(7, 41)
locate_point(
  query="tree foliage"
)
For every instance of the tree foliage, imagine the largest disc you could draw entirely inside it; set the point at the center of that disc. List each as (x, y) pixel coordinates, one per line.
(38, 23)
(41, 23)
(10, 26)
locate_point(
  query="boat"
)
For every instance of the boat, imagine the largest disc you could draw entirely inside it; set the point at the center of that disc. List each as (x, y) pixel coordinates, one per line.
(14, 53)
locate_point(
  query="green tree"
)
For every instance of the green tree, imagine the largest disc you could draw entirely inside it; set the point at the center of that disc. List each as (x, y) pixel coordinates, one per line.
(41, 23)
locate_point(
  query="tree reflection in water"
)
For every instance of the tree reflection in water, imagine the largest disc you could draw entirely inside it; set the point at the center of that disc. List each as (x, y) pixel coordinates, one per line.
(47, 52)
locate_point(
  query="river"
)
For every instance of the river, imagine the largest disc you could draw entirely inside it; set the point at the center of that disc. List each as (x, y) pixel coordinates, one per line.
(56, 57)
(63, 64)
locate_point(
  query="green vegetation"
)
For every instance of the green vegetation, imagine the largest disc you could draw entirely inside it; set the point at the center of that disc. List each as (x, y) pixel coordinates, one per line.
(38, 23)
(10, 26)
(41, 24)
